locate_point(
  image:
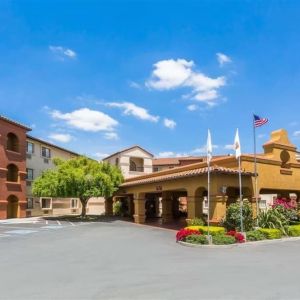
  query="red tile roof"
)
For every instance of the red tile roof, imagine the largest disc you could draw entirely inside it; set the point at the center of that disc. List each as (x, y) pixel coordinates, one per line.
(174, 160)
(181, 174)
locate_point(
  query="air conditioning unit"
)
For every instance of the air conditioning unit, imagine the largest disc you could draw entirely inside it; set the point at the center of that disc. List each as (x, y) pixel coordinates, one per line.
(46, 160)
(28, 156)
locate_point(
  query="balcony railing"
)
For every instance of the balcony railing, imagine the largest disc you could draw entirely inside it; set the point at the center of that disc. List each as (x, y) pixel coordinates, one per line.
(136, 169)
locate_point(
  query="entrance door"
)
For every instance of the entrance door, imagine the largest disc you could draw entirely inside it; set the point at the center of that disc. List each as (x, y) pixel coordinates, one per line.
(12, 207)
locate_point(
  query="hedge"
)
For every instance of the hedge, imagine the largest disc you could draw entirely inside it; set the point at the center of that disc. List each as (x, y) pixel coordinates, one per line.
(294, 230)
(213, 230)
(271, 233)
(255, 235)
(197, 239)
(221, 239)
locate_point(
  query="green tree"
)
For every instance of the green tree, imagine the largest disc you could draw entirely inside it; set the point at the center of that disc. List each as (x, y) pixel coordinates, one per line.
(79, 177)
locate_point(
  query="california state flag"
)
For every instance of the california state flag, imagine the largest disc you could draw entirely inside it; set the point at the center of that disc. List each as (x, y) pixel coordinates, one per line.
(237, 145)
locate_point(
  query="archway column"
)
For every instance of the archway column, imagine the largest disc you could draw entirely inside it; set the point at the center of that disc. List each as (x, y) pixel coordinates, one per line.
(194, 207)
(217, 208)
(22, 209)
(167, 213)
(139, 208)
(3, 209)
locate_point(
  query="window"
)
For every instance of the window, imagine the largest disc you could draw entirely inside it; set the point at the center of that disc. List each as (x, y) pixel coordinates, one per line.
(30, 148)
(155, 169)
(12, 142)
(29, 203)
(12, 173)
(205, 202)
(29, 174)
(74, 203)
(46, 152)
(262, 203)
(132, 165)
(46, 203)
(117, 161)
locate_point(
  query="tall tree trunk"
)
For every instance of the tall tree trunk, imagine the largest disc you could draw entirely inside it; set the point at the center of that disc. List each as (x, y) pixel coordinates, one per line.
(84, 204)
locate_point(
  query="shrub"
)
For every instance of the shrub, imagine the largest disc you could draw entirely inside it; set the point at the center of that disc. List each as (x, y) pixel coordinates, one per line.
(255, 235)
(195, 222)
(273, 218)
(213, 230)
(294, 230)
(197, 239)
(183, 233)
(222, 239)
(290, 214)
(117, 208)
(239, 238)
(271, 233)
(232, 219)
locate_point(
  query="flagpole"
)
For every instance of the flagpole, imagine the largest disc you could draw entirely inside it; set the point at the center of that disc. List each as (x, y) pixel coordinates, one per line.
(208, 197)
(209, 157)
(241, 195)
(255, 167)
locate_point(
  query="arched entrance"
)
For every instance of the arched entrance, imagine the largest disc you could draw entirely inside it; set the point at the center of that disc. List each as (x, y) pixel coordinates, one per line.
(12, 207)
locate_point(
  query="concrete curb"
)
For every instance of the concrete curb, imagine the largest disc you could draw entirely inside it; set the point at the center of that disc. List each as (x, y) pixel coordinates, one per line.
(207, 246)
(264, 242)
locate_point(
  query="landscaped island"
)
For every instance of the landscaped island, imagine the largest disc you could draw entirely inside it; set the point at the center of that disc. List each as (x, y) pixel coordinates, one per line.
(279, 221)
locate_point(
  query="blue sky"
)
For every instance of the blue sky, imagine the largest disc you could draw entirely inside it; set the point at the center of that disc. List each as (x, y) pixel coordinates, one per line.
(98, 76)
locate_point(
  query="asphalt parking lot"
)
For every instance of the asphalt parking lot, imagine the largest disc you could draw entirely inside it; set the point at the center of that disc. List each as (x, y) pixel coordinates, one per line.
(13, 228)
(119, 260)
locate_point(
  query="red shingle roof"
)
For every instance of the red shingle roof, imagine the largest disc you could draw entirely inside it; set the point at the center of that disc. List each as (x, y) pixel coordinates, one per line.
(173, 160)
(181, 174)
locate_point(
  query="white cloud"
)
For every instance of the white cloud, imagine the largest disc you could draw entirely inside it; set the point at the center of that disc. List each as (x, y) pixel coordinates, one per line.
(111, 136)
(171, 74)
(192, 107)
(169, 123)
(203, 149)
(61, 137)
(86, 119)
(131, 109)
(261, 136)
(62, 52)
(100, 155)
(223, 59)
(134, 85)
(172, 154)
(166, 154)
(229, 147)
(296, 133)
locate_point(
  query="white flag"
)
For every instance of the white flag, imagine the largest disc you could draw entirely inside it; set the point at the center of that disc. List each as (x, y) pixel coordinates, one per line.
(209, 147)
(237, 145)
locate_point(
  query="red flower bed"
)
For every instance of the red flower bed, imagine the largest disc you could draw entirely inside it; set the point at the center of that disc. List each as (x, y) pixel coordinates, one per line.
(284, 203)
(183, 233)
(238, 236)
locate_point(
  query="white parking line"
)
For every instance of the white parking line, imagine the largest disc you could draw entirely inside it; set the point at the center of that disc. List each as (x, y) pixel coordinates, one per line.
(47, 222)
(58, 223)
(4, 235)
(72, 223)
(16, 227)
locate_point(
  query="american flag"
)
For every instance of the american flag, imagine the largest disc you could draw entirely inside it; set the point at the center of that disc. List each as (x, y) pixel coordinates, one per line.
(258, 121)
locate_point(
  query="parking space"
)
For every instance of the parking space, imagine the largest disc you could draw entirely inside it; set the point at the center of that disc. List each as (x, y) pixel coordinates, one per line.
(23, 227)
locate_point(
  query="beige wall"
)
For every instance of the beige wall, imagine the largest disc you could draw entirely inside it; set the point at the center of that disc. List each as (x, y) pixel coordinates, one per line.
(59, 206)
(124, 162)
